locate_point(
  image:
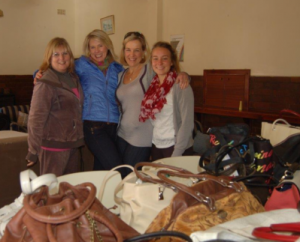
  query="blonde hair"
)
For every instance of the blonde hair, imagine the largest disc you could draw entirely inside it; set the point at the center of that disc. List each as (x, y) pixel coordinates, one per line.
(174, 58)
(104, 38)
(130, 36)
(50, 49)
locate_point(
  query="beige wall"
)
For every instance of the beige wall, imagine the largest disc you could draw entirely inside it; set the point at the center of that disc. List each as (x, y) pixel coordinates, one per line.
(26, 28)
(130, 15)
(263, 36)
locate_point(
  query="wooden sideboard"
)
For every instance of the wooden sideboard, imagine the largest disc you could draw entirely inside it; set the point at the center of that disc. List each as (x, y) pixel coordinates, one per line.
(246, 115)
(267, 96)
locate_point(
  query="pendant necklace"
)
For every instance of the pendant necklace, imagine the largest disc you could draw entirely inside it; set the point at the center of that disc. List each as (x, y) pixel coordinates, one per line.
(131, 74)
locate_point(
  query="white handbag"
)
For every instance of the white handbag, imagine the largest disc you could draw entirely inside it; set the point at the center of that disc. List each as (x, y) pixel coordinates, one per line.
(141, 195)
(278, 131)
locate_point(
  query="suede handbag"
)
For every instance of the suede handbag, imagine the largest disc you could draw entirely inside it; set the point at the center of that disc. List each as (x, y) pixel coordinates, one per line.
(211, 201)
(73, 214)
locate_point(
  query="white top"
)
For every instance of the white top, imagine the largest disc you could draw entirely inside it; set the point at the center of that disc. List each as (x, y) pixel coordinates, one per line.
(164, 132)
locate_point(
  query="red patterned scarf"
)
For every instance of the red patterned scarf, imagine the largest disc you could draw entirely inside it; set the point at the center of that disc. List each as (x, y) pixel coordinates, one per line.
(155, 97)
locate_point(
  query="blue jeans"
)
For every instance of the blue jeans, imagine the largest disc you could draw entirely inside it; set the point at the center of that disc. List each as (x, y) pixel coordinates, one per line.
(132, 154)
(100, 137)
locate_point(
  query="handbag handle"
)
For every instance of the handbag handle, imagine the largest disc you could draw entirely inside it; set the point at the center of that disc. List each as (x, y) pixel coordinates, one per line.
(107, 176)
(146, 178)
(162, 174)
(56, 219)
(269, 232)
(250, 141)
(279, 120)
(288, 111)
(30, 182)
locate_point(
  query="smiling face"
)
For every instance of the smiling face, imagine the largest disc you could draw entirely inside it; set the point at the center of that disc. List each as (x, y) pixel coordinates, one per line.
(60, 60)
(161, 61)
(98, 51)
(133, 53)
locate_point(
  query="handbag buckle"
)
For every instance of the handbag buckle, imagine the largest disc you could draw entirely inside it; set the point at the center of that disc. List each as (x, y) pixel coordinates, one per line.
(161, 193)
(287, 175)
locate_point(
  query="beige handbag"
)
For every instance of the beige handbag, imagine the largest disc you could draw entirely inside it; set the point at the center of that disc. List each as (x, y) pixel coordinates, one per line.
(142, 195)
(280, 129)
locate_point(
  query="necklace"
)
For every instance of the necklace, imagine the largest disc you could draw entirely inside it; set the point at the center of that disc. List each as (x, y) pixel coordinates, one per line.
(130, 76)
(132, 73)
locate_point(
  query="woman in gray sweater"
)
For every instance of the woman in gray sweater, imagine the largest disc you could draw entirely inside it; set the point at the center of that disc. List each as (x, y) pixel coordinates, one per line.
(134, 137)
(169, 108)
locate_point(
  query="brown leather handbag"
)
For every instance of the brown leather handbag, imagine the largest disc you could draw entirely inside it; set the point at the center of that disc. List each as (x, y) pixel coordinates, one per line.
(73, 214)
(209, 202)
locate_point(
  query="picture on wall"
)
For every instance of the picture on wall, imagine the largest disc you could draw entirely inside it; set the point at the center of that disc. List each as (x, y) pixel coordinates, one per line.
(177, 42)
(108, 24)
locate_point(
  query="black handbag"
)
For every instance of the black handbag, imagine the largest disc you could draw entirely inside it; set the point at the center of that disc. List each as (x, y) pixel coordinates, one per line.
(286, 155)
(252, 155)
(220, 138)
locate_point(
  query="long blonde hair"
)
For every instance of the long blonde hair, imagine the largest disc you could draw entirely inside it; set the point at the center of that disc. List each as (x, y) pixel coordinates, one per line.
(104, 38)
(50, 49)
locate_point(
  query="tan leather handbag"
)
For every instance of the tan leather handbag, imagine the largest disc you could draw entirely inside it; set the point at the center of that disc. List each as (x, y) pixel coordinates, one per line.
(211, 201)
(74, 214)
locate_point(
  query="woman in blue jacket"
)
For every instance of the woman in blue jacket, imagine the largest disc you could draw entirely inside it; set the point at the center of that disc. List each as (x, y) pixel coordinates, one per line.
(98, 74)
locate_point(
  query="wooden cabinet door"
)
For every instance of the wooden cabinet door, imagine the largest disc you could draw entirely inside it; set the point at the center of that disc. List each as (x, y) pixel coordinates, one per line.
(226, 88)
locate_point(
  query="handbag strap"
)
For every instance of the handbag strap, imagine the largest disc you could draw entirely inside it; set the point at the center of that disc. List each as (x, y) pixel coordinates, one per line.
(91, 217)
(56, 219)
(234, 163)
(119, 200)
(159, 234)
(251, 151)
(288, 111)
(259, 180)
(163, 175)
(30, 182)
(106, 178)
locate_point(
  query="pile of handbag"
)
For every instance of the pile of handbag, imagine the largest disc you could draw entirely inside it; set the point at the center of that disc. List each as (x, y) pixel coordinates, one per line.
(190, 202)
(239, 176)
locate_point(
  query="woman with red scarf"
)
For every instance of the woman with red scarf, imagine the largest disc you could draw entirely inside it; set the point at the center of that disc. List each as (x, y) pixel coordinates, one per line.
(169, 108)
